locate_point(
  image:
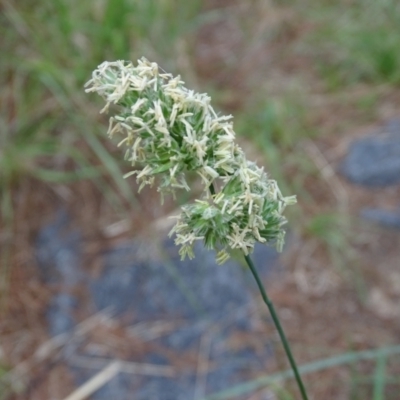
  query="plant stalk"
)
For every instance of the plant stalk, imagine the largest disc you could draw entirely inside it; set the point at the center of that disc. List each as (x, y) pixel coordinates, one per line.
(278, 325)
(275, 318)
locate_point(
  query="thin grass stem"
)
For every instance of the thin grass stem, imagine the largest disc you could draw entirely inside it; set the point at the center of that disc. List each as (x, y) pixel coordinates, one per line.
(278, 325)
(275, 318)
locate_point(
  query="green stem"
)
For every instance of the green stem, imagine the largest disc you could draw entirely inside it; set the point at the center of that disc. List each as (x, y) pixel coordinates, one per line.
(274, 315)
(278, 325)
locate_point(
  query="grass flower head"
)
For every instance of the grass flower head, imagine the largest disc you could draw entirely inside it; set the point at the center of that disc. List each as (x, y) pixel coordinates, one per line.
(168, 130)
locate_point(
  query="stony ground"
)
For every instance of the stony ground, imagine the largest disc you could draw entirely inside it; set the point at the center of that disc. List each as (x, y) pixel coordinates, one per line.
(184, 329)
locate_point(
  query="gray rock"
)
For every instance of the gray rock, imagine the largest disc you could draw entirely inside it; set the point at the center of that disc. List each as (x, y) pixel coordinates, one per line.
(375, 161)
(382, 217)
(58, 256)
(205, 297)
(158, 388)
(60, 313)
(186, 289)
(393, 126)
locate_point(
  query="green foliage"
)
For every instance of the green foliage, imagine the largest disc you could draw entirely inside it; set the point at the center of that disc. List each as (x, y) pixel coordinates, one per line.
(357, 41)
(277, 122)
(51, 49)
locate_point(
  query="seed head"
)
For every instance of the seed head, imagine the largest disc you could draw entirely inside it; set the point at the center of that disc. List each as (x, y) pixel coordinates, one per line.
(169, 130)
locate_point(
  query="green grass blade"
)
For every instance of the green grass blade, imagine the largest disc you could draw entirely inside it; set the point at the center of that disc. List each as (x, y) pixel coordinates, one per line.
(66, 176)
(112, 167)
(281, 393)
(305, 369)
(380, 378)
(64, 18)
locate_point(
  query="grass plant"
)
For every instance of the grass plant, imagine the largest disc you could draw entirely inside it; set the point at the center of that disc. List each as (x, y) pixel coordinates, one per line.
(51, 133)
(43, 110)
(168, 130)
(357, 41)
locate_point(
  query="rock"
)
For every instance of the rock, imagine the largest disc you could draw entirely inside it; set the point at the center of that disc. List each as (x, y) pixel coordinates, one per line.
(186, 289)
(393, 126)
(58, 256)
(206, 299)
(60, 313)
(375, 161)
(382, 217)
(158, 388)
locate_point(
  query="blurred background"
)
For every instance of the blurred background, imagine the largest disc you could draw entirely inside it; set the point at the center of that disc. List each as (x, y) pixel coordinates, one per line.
(88, 275)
